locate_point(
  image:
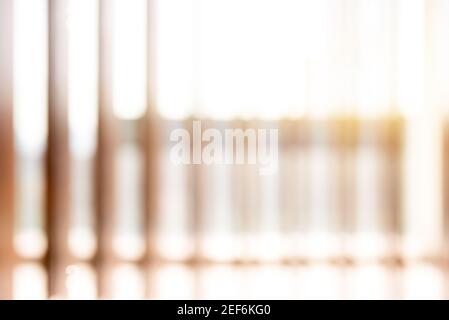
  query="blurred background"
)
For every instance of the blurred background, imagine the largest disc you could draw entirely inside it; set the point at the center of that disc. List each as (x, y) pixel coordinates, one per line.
(92, 207)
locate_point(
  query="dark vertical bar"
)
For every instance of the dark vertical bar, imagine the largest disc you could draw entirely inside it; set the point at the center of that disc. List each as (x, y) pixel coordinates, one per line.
(302, 141)
(288, 201)
(347, 178)
(239, 201)
(57, 219)
(195, 210)
(445, 191)
(104, 159)
(394, 149)
(338, 147)
(6, 152)
(202, 194)
(151, 147)
(301, 135)
(196, 170)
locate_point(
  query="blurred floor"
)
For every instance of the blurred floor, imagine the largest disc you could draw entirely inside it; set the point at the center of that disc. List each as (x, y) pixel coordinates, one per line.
(269, 281)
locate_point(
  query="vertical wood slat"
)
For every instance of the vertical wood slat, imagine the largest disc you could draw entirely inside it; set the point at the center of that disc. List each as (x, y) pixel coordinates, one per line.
(394, 146)
(104, 191)
(198, 194)
(194, 199)
(6, 152)
(348, 188)
(57, 219)
(338, 149)
(144, 143)
(446, 191)
(111, 132)
(151, 150)
(152, 121)
(291, 145)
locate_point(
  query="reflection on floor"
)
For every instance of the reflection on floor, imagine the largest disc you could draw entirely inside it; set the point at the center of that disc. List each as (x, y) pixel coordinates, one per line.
(179, 281)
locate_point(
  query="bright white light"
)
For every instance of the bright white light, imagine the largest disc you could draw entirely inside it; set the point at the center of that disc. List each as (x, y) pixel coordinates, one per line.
(128, 282)
(322, 245)
(129, 241)
(321, 210)
(269, 282)
(80, 282)
(175, 247)
(375, 75)
(129, 58)
(129, 246)
(174, 57)
(30, 243)
(30, 75)
(266, 240)
(222, 59)
(82, 76)
(167, 277)
(30, 282)
(320, 281)
(83, 119)
(217, 241)
(82, 242)
(174, 240)
(423, 281)
(230, 279)
(30, 86)
(411, 25)
(371, 282)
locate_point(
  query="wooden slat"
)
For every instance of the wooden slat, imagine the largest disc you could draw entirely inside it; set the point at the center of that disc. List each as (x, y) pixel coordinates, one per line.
(104, 192)
(347, 190)
(152, 121)
(113, 132)
(292, 192)
(394, 146)
(445, 191)
(151, 146)
(6, 152)
(244, 201)
(58, 153)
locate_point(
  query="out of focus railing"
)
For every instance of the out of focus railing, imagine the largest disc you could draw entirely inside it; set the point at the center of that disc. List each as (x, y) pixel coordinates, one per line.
(91, 206)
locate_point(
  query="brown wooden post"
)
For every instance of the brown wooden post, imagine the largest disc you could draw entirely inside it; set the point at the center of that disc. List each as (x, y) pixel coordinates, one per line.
(446, 189)
(104, 191)
(348, 188)
(151, 147)
(395, 143)
(6, 152)
(57, 219)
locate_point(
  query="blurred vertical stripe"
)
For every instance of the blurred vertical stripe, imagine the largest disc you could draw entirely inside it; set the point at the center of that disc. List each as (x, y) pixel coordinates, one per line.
(7, 254)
